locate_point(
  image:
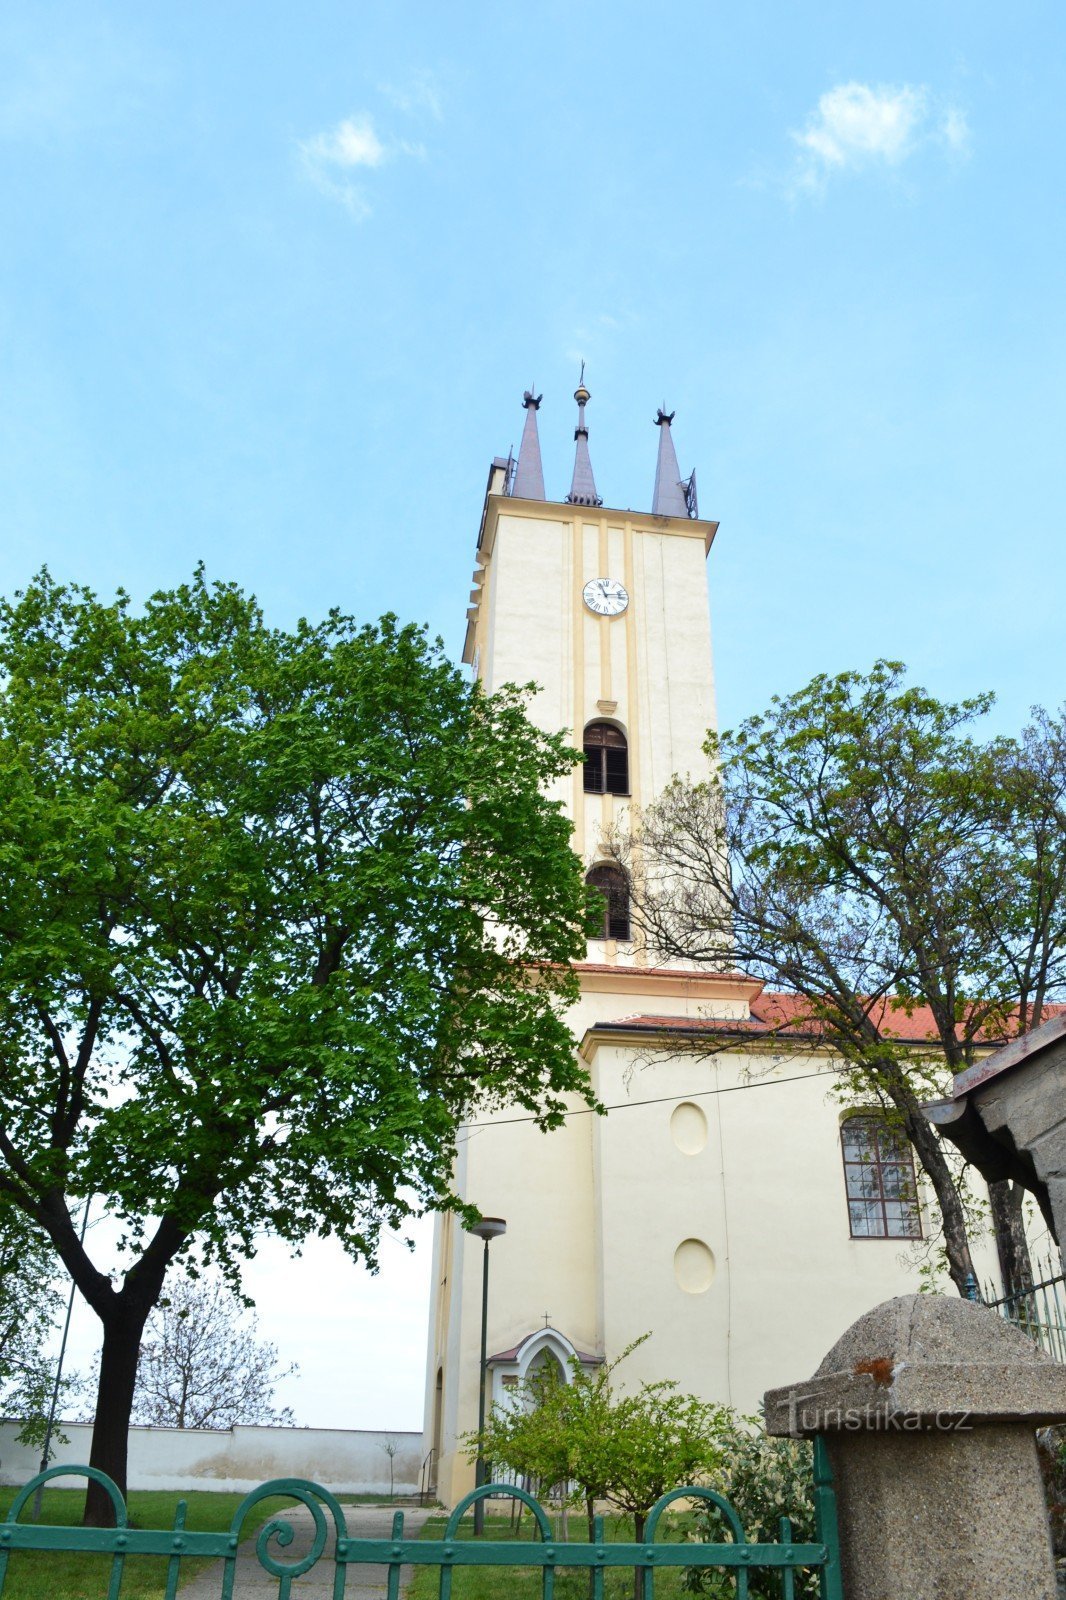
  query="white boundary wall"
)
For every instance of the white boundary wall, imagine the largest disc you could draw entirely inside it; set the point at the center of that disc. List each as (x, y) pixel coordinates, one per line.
(237, 1459)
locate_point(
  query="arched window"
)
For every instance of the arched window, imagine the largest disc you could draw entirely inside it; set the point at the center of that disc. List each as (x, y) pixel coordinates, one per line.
(879, 1178)
(613, 921)
(606, 759)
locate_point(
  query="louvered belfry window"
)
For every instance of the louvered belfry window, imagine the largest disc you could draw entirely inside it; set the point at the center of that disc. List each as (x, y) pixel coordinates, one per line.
(613, 921)
(606, 759)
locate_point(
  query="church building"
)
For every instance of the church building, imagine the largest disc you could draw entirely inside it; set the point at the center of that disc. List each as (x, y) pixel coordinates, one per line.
(726, 1204)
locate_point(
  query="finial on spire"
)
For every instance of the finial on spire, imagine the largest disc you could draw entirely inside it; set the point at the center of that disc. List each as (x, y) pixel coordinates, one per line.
(583, 484)
(670, 498)
(529, 474)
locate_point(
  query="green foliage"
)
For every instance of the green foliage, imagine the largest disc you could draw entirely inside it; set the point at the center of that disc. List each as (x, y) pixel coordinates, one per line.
(861, 848)
(764, 1480)
(30, 1306)
(297, 898)
(278, 909)
(627, 1448)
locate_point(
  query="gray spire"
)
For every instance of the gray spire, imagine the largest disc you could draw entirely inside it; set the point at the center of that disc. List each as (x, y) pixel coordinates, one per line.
(529, 475)
(583, 485)
(669, 497)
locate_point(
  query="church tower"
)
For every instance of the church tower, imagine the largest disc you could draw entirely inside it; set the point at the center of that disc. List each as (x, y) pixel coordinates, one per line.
(688, 1210)
(607, 612)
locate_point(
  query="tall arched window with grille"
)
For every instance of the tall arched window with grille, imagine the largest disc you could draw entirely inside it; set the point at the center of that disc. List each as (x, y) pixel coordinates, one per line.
(606, 759)
(879, 1179)
(613, 887)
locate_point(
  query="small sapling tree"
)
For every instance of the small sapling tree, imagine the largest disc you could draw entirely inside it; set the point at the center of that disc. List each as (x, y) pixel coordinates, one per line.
(389, 1446)
(624, 1447)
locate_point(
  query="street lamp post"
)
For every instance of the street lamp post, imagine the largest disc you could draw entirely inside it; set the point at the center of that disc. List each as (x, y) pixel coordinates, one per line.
(488, 1228)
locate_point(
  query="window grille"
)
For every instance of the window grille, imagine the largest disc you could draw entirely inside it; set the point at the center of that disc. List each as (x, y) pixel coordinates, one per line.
(879, 1178)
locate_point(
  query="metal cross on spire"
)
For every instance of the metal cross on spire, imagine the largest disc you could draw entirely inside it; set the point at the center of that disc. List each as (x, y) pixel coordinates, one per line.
(583, 484)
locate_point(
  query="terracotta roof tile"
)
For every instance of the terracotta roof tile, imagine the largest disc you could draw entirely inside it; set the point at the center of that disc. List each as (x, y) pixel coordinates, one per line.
(780, 1015)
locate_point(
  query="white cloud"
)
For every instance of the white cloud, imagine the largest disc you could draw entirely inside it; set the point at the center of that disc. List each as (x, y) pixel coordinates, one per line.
(421, 92)
(330, 159)
(859, 125)
(352, 143)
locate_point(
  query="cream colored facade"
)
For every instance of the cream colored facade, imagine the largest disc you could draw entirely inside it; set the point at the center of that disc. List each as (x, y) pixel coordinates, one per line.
(708, 1206)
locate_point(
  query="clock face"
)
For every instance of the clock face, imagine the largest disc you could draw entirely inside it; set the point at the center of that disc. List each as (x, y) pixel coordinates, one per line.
(605, 596)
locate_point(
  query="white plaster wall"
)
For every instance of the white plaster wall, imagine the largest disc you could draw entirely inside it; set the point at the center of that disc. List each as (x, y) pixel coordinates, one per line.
(597, 1210)
(765, 1194)
(545, 1263)
(653, 662)
(237, 1460)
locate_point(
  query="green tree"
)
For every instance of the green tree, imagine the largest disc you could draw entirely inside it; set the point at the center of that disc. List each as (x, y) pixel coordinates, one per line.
(29, 1308)
(277, 910)
(859, 846)
(627, 1448)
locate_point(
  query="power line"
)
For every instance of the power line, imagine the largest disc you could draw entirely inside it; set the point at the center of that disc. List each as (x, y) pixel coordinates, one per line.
(655, 1100)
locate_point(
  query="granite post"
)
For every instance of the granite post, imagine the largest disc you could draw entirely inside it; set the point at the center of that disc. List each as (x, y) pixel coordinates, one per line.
(929, 1408)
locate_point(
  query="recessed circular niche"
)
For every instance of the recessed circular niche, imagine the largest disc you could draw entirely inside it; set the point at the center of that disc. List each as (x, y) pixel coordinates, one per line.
(688, 1126)
(693, 1266)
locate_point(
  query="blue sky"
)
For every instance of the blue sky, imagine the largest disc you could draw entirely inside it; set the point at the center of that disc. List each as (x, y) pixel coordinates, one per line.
(273, 279)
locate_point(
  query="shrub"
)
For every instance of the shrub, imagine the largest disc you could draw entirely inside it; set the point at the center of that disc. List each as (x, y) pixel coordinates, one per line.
(764, 1480)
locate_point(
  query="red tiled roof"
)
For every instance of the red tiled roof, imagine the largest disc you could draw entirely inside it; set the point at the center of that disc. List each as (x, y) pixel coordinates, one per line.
(780, 1015)
(733, 974)
(509, 1357)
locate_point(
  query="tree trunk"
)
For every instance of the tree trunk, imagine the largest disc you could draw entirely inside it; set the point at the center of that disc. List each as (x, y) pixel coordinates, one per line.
(1012, 1247)
(931, 1157)
(638, 1572)
(114, 1402)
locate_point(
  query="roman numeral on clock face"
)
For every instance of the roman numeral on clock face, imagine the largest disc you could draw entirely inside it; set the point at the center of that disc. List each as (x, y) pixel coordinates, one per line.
(606, 596)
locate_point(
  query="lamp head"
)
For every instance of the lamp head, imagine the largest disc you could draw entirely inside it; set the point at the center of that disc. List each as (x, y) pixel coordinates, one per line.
(488, 1228)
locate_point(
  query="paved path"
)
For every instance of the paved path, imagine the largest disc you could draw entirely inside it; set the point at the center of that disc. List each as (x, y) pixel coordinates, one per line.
(364, 1583)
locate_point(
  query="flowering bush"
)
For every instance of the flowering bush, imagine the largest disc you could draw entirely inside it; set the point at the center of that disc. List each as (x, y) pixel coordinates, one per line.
(764, 1480)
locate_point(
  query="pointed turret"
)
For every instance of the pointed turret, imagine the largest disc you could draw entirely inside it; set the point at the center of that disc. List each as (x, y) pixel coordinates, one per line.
(583, 484)
(529, 474)
(669, 498)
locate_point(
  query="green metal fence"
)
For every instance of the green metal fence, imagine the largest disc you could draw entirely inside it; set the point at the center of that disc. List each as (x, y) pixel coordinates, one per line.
(332, 1546)
(1040, 1311)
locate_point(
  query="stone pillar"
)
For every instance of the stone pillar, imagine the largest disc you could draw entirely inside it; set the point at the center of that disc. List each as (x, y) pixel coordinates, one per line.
(929, 1407)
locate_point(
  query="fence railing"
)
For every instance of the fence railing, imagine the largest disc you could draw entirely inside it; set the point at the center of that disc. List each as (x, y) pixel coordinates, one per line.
(1040, 1311)
(332, 1545)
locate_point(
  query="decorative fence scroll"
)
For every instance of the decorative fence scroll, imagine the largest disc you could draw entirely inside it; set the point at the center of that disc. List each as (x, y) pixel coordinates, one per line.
(337, 1552)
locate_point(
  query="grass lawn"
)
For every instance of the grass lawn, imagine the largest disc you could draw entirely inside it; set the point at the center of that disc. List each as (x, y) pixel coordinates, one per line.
(525, 1583)
(57, 1575)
